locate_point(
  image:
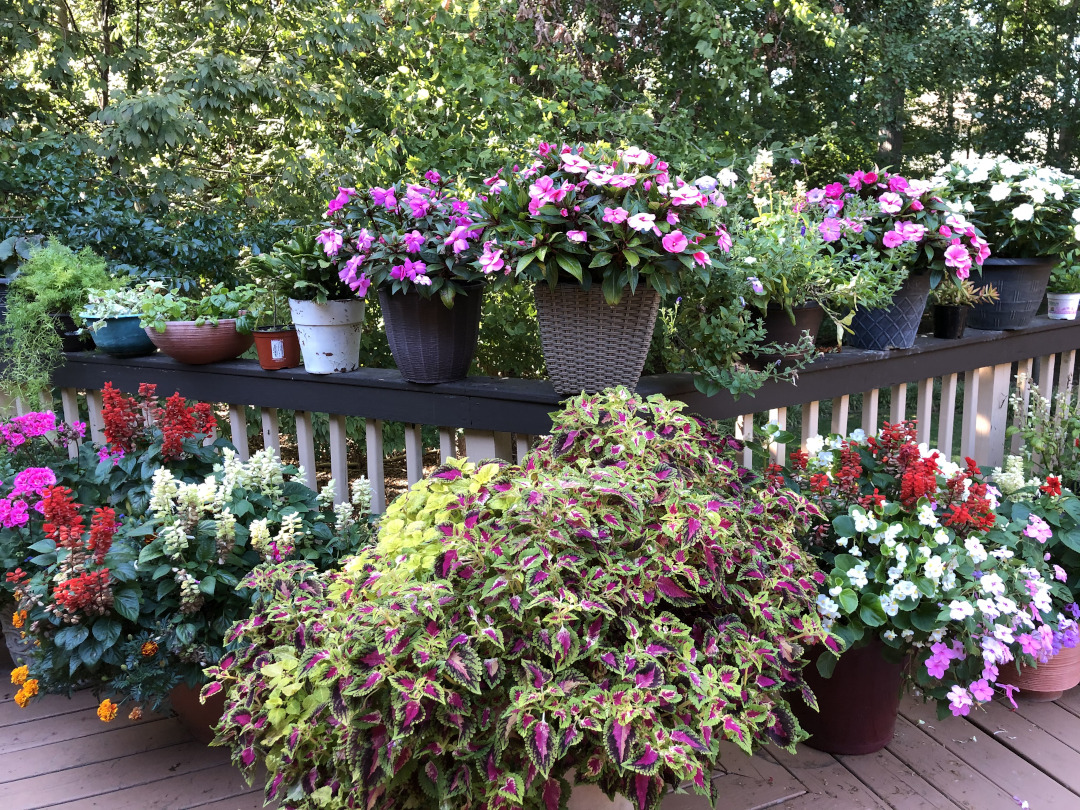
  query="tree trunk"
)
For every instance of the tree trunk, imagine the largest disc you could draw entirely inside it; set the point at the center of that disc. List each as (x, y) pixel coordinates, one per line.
(106, 50)
(891, 134)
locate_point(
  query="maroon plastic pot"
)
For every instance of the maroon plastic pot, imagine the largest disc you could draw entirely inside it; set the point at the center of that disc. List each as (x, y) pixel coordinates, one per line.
(198, 718)
(857, 706)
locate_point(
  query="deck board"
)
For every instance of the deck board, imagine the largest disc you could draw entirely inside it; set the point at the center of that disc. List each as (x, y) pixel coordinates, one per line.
(74, 761)
(986, 755)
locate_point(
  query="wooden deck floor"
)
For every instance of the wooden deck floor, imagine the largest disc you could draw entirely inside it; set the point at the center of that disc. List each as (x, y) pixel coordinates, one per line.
(57, 754)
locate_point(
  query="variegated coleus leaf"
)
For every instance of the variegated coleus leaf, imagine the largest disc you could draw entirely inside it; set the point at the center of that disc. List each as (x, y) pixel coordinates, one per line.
(464, 666)
(618, 740)
(541, 744)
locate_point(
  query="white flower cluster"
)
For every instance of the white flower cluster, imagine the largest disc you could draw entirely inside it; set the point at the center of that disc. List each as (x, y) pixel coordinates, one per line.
(1010, 478)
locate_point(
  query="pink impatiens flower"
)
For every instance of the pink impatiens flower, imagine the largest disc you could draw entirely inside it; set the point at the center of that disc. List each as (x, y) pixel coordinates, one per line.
(891, 239)
(1038, 529)
(577, 236)
(622, 181)
(830, 228)
(491, 261)
(890, 203)
(575, 164)
(701, 257)
(959, 701)
(330, 240)
(635, 155)
(340, 201)
(675, 242)
(414, 241)
(615, 215)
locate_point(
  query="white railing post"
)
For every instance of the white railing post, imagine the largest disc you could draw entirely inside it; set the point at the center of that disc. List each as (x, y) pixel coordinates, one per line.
(744, 432)
(840, 408)
(339, 457)
(69, 400)
(238, 430)
(271, 430)
(414, 453)
(870, 412)
(924, 407)
(898, 404)
(993, 414)
(376, 474)
(305, 447)
(483, 444)
(811, 412)
(947, 415)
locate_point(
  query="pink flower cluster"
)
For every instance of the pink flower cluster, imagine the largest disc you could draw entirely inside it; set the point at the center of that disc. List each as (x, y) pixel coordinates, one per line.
(26, 492)
(914, 214)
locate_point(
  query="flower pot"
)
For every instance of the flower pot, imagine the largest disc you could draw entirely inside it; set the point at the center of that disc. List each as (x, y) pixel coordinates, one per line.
(950, 321)
(277, 347)
(1062, 306)
(430, 343)
(1020, 284)
(186, 342)
(588, 345)
(779, 329)
(857, 705)
(329, 334)
(121, 336)
(895, 326)
(1049, 680)
(71, 339)
(590, 797)
(198, 718)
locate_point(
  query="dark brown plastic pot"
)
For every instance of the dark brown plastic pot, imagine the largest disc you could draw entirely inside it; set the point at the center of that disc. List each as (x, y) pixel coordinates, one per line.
(198, 718)
(278, 347)
(430, 343)
(857, 706)
(779, 329)
(950, 320)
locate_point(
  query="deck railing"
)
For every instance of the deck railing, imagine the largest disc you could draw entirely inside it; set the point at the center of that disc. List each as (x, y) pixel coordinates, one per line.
(958, 390)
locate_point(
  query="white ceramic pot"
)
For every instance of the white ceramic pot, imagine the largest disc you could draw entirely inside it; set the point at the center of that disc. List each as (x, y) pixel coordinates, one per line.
(1062, 306)
(329, 334)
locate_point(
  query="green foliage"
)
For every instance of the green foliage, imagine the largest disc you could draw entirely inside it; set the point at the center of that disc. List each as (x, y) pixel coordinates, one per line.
(1065, 277)
(244, 303)
(54, 279)
(300, 269)
(613, 598)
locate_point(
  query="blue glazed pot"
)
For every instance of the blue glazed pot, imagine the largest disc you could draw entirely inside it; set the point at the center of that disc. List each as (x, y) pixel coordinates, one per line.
(121, 336)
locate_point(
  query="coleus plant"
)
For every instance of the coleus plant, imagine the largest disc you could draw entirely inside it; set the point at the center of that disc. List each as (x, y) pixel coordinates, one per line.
(618, 605)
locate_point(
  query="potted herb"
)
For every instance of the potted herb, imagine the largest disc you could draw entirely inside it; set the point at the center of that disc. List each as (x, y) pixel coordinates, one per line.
(952, 302)
(43, 312)
(619, 605)
(419, 245)
(113, 318)
(204, 327)
(1063, 290)
(1030, 214)
(276, 343)
(898, 212)
(922, 575)
(327, 311)
(601, 236)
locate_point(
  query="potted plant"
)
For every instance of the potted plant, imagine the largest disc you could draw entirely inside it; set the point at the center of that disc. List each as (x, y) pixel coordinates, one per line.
(205, 327)
(601, 237)
(952, 302)
(328, 312)
(901, 212)
(419, 245)
(922, 574)
(613, 606)
(43, 306)
(1029, 213)
(13, 251)
(1044, 520)
(1063, 289)
(276, 343)
(112, 317)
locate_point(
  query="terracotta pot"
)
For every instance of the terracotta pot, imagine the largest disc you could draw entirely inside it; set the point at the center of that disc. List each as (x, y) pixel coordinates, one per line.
(1049, 680)
(278, 347)
(857, 706)
(195, 345)
(198, 718)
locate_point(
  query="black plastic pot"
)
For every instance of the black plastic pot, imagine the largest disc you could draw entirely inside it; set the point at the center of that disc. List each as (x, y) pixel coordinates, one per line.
(430, 343)
(71, 340)
(1020, 284)
(950, 321)
(780, 329)
(895, 326)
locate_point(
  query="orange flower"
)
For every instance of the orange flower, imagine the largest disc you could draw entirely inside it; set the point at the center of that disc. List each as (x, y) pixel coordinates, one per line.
(136, 714)
(106, 712)
(18, 619)
(19, 675)
(148, 649)
(30, 687)
(21, 699)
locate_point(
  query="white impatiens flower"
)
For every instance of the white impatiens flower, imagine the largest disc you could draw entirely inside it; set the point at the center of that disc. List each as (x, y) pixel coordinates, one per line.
(976, 550)
(1076, 232)
(960, 610)
(1038, 195)
(992, 583)
(1023, 212)
(988, 608)
(1076, 215)
(814, 445)
(999, 191)
(727, 178)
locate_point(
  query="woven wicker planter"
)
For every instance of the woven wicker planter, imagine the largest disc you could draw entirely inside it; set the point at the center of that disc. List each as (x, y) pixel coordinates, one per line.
(430, 343)
(588, 345)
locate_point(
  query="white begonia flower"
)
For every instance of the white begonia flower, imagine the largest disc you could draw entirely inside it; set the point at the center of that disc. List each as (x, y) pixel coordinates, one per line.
(727, 178)
(835, 442)
(948, 468)
(857, 576)
(948, 582)
(814, 445)
(856, 551)
(894, 531)
(923, 554)
(941, 537)
(827, 607)
(1023, 212)
(907, 634)
(999, 191)
(934, 568)
(937, 635)
(888, 635)
(1076, 215)
(859, 435)
(889, 606)
(863, 522)
(842, 542)
(1076, 232)
(836, 590)
(825, 458)
(895, 573)
(976, 550)
(904, 590)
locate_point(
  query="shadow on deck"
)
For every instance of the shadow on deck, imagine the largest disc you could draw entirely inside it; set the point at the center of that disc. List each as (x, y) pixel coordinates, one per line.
(56, 753)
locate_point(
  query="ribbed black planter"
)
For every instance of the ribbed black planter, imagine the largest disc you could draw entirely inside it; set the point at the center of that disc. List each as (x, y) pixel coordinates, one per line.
(950, 321)
(430, 343)
(895, 326)
(71, 339)
(1020, 283)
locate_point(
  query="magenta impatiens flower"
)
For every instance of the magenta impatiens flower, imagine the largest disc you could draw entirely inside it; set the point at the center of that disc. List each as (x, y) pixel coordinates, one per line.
(577, 236)
(414, 241)
(331, 241)
(891, 239)
(675, 242)
(615, 215)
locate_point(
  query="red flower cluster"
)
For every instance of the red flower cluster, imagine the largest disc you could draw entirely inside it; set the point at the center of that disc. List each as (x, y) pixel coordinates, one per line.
(179, 422)
(918, 480)
(819, 482)
(970, 515)
(63, 523)
(851, 470)
(799, 458)
(1052, 486)
(88, 592)
(123, 418)
(774, 474)
(102, 528)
